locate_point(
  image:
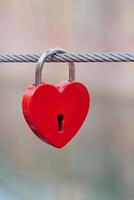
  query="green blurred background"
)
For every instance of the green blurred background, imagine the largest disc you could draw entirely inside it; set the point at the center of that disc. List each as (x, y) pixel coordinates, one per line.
(99, 162)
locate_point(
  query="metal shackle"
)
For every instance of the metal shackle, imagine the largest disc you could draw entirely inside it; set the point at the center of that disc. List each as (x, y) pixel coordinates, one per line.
(42, 60)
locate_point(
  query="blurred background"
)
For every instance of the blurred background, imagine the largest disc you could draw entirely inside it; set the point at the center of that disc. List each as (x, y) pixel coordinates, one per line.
(99, 162)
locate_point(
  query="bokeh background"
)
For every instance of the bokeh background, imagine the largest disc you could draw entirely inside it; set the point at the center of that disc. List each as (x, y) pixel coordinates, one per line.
(99, 162)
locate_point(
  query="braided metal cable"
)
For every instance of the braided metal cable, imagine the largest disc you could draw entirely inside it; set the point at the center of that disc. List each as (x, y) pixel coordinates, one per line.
(70, 57)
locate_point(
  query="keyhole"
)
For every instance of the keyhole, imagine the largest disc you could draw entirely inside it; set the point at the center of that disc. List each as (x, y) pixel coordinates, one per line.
(60, 122)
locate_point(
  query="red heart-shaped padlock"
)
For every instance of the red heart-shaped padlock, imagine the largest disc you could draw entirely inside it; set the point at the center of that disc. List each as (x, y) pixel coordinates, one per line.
(55, 114)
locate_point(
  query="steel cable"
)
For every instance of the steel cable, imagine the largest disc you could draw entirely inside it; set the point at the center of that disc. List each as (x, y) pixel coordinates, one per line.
(70, 57)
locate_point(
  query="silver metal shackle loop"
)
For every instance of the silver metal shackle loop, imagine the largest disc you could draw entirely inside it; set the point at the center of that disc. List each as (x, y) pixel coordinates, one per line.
(42, 60)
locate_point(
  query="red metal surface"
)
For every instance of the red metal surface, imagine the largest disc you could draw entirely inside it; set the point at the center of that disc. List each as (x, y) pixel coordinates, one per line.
(56, 113)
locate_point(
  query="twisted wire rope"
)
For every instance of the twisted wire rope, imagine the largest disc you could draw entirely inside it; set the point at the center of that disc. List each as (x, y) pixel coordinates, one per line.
(70, 57)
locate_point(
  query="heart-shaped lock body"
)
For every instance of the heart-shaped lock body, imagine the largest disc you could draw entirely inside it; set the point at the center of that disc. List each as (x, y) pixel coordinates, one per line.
(56, 113)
